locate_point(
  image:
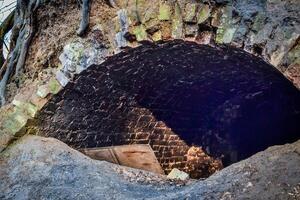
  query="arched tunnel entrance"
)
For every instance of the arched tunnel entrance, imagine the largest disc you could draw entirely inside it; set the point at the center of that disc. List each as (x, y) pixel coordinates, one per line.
(174, 95)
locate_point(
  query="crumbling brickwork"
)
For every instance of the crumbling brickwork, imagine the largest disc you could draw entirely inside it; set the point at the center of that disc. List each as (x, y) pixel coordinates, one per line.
(174, 96)
(169, 148)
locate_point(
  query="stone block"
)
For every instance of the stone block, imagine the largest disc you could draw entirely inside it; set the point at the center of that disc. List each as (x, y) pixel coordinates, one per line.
(15, 121)
(52, 87)
(164, 12)
(157, 36)
(177, 23)
(140, 33)
(225, 35)
(190, 13)
(26, 107)
(191, 30)
(177, 174)
(204, 13)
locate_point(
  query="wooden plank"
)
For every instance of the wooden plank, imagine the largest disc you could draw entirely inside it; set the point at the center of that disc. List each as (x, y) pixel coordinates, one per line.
(101, 154)
(139, 156)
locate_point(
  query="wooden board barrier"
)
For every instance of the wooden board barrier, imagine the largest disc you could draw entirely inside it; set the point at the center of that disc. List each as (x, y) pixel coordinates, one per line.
(139, 156)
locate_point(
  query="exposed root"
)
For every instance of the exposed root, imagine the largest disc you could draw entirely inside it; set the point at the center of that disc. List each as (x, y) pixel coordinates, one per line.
(5, 27)
(22, 34)
(85, 15)
(23, 30)
(26, 36)
(85, 12)
(112, 3)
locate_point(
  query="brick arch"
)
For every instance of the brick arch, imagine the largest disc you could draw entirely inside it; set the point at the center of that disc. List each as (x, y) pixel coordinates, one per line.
(174, 95)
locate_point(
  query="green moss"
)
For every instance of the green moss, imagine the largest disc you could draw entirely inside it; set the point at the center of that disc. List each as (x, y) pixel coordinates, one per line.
(15, 121)
(31, 109)
(219, 36)
(25, 107)
(204, 13)
(77, 51)
(164, 12)
(225, 35)
(177, 23)
(190, 12)
(226, 30)
(54, 86)
(140, 33)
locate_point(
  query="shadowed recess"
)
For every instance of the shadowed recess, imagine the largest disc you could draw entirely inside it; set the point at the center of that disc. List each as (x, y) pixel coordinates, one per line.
(174, 95)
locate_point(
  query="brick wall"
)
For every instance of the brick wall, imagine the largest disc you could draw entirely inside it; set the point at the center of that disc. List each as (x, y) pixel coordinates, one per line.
(169, 148)
(174, 96)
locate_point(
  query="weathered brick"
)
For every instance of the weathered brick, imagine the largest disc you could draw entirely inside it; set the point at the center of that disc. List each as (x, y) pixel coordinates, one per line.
(133, 99)
(141, 136)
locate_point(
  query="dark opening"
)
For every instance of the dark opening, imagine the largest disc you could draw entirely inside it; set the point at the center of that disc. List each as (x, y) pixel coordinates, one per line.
(174, 95)
(257, 49)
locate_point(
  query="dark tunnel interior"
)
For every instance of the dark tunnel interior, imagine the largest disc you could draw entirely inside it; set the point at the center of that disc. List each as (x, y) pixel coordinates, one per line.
(225, 100)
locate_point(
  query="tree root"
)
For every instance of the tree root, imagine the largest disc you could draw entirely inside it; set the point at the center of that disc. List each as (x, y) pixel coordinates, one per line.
(22, 33)
(85, 12)
(23, 26)
(5, 27)
(112, 3)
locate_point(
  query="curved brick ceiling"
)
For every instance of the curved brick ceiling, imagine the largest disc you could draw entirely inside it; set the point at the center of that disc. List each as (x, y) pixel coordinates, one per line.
(173, 95)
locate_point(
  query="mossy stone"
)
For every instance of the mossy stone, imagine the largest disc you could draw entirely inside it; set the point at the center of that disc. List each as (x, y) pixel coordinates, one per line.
(42, 91)
(225, 35)
(25, 107)
(140, 33)
(54, 86)
(15, 121)
(204, 13)
(157, 36)
(177, 23)
(164, 12)
(190, 12)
